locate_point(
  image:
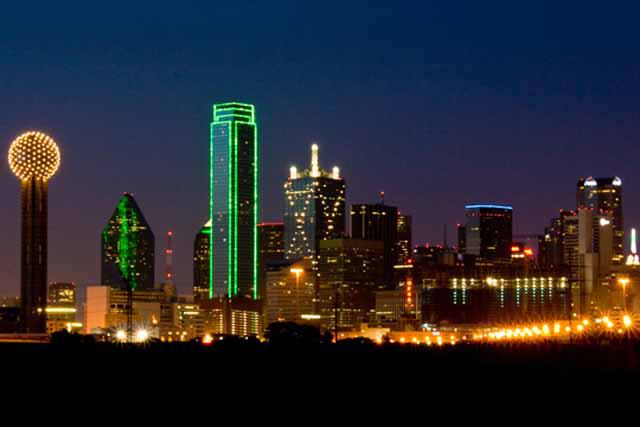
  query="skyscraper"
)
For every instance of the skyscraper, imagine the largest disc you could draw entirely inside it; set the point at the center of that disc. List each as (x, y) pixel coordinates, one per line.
(351, 271)
(270, 249)
(551, 244)
(587, 250)
(233, 203)
(34, 158)
(201, 263)
(604, 195)
(404, 245)
(128, 248)
(378, 222)
(489, 231)
(314, 211)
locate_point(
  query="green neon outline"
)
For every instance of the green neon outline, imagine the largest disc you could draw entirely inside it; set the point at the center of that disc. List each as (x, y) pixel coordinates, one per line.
(229, 213)
(235, 209)
(255, 211)
(235, 113)
(211, 161)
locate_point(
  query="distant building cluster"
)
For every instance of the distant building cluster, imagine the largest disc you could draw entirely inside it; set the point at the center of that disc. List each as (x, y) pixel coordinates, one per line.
(342, 269)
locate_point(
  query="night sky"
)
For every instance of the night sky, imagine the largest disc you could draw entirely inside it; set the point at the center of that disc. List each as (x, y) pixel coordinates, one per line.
(436, 103)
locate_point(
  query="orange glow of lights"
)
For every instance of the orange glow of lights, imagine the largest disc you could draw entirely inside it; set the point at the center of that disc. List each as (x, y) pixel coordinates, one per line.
(34, 155)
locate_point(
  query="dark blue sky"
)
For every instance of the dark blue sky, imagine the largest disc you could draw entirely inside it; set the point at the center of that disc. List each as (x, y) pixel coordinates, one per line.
(437, 103)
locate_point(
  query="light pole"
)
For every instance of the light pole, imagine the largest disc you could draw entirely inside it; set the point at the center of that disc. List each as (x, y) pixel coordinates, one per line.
(624, 281)
(298, 272)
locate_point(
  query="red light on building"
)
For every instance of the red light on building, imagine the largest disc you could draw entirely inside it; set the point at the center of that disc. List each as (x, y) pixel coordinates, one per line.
(515, 248)
(528, 252)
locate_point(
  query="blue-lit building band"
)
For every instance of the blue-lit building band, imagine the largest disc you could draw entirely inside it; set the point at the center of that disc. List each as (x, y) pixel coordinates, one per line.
(488, 231)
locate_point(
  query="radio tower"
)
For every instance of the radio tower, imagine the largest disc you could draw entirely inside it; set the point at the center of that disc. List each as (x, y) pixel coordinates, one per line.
(168, 260)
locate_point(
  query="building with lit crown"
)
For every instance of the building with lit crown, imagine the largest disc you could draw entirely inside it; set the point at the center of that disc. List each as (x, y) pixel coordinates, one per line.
(34, 158)
(314, 208)
(233, 202)
(604, 195)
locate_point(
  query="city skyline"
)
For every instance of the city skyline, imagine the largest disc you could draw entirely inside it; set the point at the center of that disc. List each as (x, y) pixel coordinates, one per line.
(541, 139)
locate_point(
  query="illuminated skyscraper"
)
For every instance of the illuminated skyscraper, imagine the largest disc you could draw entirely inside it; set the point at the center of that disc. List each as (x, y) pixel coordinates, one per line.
(314, 211)
(34, 158)
(233, 259)
(128, 248)
(201, 263)
(489, 231)
(604, 195)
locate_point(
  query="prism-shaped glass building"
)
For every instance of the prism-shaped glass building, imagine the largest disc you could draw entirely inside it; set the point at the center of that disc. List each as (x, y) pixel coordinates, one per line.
(128, 248)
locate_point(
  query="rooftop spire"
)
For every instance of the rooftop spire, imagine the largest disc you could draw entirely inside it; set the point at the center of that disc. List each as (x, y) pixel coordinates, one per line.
(315, 163)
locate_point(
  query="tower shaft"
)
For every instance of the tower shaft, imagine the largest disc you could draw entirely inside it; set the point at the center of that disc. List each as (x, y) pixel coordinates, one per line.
(33, 268)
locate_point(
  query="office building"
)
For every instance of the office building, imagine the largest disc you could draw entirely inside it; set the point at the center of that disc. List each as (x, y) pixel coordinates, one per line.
(201, 277)
(34, 158)
(270, 250)
(488, 232)
(588, 252)
(378, 222)
(404, 245)
(233, 255)
(61, 308)
(290, 292)
(128, 248)
(460, 300)
(604, 196)
(315, 208)
(350, 271)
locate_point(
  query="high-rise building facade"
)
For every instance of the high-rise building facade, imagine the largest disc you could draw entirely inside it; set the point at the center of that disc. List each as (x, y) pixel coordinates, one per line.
(201, 263)
(315, 208)
(378, 222)
(34, 158)
(290, 292)
(233, 258)
(489, 231)
(350, 273)
(404, 245)
(128, 248)
(551, 244)
(270, 249)
(604, 195)
(588, 252)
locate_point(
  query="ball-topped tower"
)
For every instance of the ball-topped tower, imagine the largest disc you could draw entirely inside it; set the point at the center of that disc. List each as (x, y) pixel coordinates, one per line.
(34, 158)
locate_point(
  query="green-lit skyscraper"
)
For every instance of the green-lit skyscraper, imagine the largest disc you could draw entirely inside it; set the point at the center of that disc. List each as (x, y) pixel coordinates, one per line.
(128, 248)
(233, 201)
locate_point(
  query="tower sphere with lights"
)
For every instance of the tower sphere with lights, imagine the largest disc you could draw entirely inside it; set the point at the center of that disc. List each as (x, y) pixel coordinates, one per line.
(34, 155)
(34, 158)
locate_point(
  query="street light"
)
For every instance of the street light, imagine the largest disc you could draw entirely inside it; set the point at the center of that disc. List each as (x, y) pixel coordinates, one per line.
(624, 281)
(298, 272)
